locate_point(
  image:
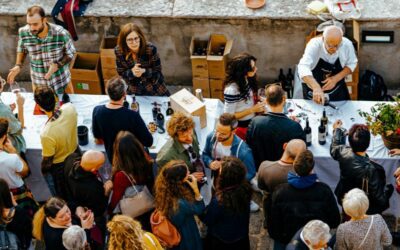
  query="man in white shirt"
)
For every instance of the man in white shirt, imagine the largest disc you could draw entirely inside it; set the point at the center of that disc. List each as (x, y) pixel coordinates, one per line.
(327, 60)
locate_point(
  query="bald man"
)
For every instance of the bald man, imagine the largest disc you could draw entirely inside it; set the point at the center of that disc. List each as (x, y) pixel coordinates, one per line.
(84, 185)
(326, 61)
(273, 173)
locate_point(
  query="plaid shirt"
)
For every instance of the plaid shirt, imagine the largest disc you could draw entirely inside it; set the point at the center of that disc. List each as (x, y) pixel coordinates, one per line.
(43, 52)
(151, 82)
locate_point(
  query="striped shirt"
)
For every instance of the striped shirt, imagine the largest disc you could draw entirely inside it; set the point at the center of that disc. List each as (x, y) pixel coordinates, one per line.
(237, 102)
(44, 52)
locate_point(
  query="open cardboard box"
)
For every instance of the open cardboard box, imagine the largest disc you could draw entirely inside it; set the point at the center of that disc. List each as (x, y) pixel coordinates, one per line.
(198, 56)
(85, 73)
(107, 57)
(219, 48)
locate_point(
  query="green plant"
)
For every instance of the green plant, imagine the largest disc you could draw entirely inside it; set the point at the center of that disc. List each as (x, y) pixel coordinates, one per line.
(384, 118)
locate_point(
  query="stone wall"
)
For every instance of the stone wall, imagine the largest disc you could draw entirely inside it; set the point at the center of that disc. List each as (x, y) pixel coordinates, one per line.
(276, 43)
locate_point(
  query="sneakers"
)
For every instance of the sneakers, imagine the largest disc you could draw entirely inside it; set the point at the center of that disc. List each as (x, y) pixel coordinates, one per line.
(254, 207)
(254, 185)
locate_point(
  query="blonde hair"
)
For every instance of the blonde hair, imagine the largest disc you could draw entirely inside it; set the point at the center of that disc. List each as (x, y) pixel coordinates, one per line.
(125, 233)
(355, 203)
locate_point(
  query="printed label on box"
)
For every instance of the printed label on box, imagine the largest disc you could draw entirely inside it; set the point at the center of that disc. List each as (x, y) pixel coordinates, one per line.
(83, 86)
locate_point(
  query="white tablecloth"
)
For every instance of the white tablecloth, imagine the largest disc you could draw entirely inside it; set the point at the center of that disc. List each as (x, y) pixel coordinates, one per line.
(84, 105)
(326, 168)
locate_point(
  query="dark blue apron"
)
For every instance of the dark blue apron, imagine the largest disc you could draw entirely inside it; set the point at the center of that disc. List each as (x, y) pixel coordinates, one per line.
(322, 71)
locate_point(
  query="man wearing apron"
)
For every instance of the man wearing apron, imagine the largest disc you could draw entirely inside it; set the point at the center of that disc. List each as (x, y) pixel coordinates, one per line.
(327, 60)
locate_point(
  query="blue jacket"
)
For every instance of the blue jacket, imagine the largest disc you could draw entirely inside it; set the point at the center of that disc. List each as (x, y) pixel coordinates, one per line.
(184, 221)
(239, 149)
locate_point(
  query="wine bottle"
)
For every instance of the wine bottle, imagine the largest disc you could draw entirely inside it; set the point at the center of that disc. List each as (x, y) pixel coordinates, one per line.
(289, 83)
(307, 131)
(282, 79)
(154, 111)
(324, 119)
(322, 133)
(134, 104)
(169, 111)
(160, 121)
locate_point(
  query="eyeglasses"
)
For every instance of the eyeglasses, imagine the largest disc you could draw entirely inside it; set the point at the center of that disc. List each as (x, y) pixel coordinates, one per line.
(330, 46)
(131, 40)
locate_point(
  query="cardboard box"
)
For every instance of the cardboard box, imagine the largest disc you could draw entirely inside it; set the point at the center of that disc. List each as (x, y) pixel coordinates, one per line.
(185, 102)
(107, 57)
(219, 48)
(203, 84)
(109, 73)
(217, 88)
(198, 56)
(107, 46)
(85, 73)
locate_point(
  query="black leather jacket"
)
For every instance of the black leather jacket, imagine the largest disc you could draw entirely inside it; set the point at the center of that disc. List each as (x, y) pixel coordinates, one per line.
(353, 168)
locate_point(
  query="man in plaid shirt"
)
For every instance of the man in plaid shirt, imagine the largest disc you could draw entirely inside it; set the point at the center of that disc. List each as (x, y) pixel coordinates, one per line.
(50, 50)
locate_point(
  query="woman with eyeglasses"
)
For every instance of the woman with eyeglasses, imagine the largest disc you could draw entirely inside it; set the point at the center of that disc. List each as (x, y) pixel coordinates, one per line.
(138, 62)
(177, 197)
(14, 219)
(240, 92)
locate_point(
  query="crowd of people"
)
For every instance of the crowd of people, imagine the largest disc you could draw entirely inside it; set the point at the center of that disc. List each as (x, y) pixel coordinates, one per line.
(158, 203)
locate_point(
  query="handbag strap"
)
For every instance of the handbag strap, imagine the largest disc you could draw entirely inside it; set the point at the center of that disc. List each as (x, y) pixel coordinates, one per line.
(131, 180)
(151, 239)
(369, 229)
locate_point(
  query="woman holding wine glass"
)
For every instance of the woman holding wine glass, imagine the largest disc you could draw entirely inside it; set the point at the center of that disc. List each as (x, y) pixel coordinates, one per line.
(240, 93)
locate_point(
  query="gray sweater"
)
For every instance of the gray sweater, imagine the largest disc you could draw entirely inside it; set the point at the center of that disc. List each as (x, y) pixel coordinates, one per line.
(350, 234)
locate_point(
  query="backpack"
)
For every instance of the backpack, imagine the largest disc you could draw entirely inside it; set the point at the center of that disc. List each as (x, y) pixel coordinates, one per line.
(8, 240)
(372, 88)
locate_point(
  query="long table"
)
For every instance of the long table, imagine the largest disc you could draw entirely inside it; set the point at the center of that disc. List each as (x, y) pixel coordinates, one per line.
(326, 168)
(84, 105)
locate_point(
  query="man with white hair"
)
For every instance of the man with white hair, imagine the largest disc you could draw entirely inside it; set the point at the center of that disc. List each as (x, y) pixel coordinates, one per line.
(326, 61)
(314, 235)
(74, 238)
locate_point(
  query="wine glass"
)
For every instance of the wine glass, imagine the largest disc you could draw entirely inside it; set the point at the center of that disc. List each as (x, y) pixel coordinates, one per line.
(261, 94)
(15, 88)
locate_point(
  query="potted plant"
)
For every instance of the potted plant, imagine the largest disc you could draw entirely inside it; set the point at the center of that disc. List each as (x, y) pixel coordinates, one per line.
(384, 119)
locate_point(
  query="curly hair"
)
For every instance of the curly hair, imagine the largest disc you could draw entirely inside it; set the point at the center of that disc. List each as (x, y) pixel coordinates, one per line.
(233, 191)
(237, 70)
(169, 187)
(129, 156)
(179, 122)
(125, 233)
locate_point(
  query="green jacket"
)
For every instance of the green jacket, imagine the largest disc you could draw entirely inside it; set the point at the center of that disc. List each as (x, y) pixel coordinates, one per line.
(174, 150)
